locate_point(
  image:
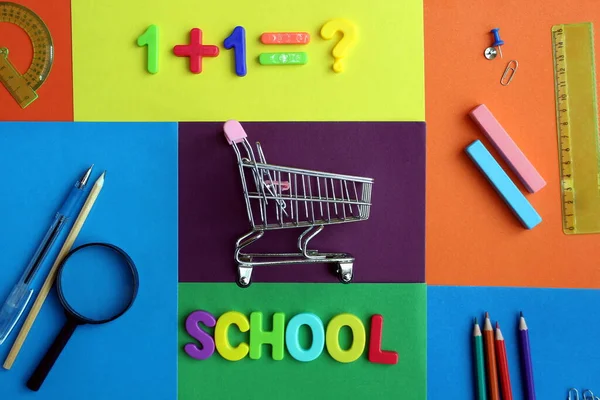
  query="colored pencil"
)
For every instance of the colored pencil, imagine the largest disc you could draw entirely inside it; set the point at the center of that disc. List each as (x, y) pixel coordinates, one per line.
(479, 362)
(503, 373)
(490, 359)
(526, 359)
(49, 282)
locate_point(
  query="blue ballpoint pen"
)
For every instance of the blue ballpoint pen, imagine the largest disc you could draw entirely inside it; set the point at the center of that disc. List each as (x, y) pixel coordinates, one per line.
(21, 293)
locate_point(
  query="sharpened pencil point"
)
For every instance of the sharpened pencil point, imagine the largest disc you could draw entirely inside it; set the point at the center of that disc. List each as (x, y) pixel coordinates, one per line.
(475, 320)
(521, 314)
(487, 315)
(497, 325)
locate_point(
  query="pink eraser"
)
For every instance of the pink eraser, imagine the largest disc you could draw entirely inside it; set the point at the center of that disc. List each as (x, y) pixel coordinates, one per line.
(509, 150)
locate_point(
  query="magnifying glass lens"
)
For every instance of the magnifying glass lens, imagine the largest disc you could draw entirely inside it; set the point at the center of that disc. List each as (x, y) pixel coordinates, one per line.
(96, 283)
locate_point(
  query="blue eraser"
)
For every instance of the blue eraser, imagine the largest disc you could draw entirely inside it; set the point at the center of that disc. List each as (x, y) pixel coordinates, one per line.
(503, 184)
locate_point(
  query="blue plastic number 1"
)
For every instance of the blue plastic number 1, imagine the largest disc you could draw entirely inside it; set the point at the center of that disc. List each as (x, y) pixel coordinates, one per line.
(237, 41)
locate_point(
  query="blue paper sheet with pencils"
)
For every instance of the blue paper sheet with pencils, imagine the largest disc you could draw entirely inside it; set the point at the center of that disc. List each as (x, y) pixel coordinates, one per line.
(562, 330)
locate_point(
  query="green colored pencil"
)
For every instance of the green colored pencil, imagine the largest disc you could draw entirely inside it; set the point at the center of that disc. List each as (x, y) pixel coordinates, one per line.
(479, 362)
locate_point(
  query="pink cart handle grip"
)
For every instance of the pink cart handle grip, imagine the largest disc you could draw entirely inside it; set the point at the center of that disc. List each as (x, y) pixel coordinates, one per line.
(234, 132)
(285, 185)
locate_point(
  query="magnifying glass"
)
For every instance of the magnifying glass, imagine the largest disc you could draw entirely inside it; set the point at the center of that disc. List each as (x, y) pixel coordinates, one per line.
(96, 284)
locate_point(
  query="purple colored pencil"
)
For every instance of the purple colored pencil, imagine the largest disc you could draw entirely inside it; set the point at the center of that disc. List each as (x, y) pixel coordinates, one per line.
(526, 359)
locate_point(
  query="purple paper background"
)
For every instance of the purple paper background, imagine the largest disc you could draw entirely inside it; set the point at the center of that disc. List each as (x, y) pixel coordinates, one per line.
(389, 246)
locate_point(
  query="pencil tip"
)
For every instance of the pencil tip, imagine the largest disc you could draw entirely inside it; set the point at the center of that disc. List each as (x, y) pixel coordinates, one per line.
(521, 314)
(487, 315)
(475, 320)
(497, 325)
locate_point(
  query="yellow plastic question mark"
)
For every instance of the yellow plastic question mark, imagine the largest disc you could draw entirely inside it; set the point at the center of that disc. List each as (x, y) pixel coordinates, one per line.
(349, 37)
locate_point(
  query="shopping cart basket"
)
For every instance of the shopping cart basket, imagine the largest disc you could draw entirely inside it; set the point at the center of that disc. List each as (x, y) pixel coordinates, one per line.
(280, 197)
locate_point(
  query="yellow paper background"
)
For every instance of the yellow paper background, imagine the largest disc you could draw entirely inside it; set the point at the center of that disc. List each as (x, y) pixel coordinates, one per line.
(383, 79)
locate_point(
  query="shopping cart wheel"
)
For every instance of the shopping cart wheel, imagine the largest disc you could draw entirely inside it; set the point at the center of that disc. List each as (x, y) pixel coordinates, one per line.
(244, 276)
(345, 272)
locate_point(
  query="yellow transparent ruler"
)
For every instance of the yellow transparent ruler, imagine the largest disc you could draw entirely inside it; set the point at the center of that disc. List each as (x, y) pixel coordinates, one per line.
(577, 121)
(23, 87)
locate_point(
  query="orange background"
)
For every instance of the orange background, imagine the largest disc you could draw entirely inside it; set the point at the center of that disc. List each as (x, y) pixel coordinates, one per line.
(55, 96)
(472, 237)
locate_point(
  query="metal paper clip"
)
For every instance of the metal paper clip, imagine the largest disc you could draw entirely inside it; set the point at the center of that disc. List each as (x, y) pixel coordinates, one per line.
(509, 68)
(587, 395)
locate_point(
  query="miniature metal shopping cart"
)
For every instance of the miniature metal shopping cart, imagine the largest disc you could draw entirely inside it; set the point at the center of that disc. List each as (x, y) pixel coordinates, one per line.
(283, 197)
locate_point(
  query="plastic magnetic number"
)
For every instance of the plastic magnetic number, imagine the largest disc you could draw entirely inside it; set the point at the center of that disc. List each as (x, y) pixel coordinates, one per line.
(237, 42)
(150, 38)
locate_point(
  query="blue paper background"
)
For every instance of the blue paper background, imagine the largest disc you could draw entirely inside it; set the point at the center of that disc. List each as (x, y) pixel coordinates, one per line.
(563, 331)
(134, 357)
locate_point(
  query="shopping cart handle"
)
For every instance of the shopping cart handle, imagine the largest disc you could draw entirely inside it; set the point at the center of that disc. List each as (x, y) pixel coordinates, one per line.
(234, 132)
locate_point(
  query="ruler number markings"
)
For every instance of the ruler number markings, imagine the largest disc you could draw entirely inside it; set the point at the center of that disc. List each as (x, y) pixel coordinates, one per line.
(563, 128)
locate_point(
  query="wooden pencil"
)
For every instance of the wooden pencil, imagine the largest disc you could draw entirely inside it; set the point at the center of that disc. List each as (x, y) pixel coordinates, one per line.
(479, 362)
(526, 358)
(49, 282)
(503, 373)
(490, 361)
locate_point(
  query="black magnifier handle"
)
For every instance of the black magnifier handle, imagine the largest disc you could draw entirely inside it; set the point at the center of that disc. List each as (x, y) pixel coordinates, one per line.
(41, 372)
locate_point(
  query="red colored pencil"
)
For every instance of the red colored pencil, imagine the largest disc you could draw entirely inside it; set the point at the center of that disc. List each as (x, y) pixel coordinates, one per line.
(490, 359)
(503, 373)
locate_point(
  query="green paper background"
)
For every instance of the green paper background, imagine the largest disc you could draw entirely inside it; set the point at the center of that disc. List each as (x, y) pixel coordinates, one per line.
(403, 307)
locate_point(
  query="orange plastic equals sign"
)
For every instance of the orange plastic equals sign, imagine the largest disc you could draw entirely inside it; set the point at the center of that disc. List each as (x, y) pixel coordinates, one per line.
(285, 38)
